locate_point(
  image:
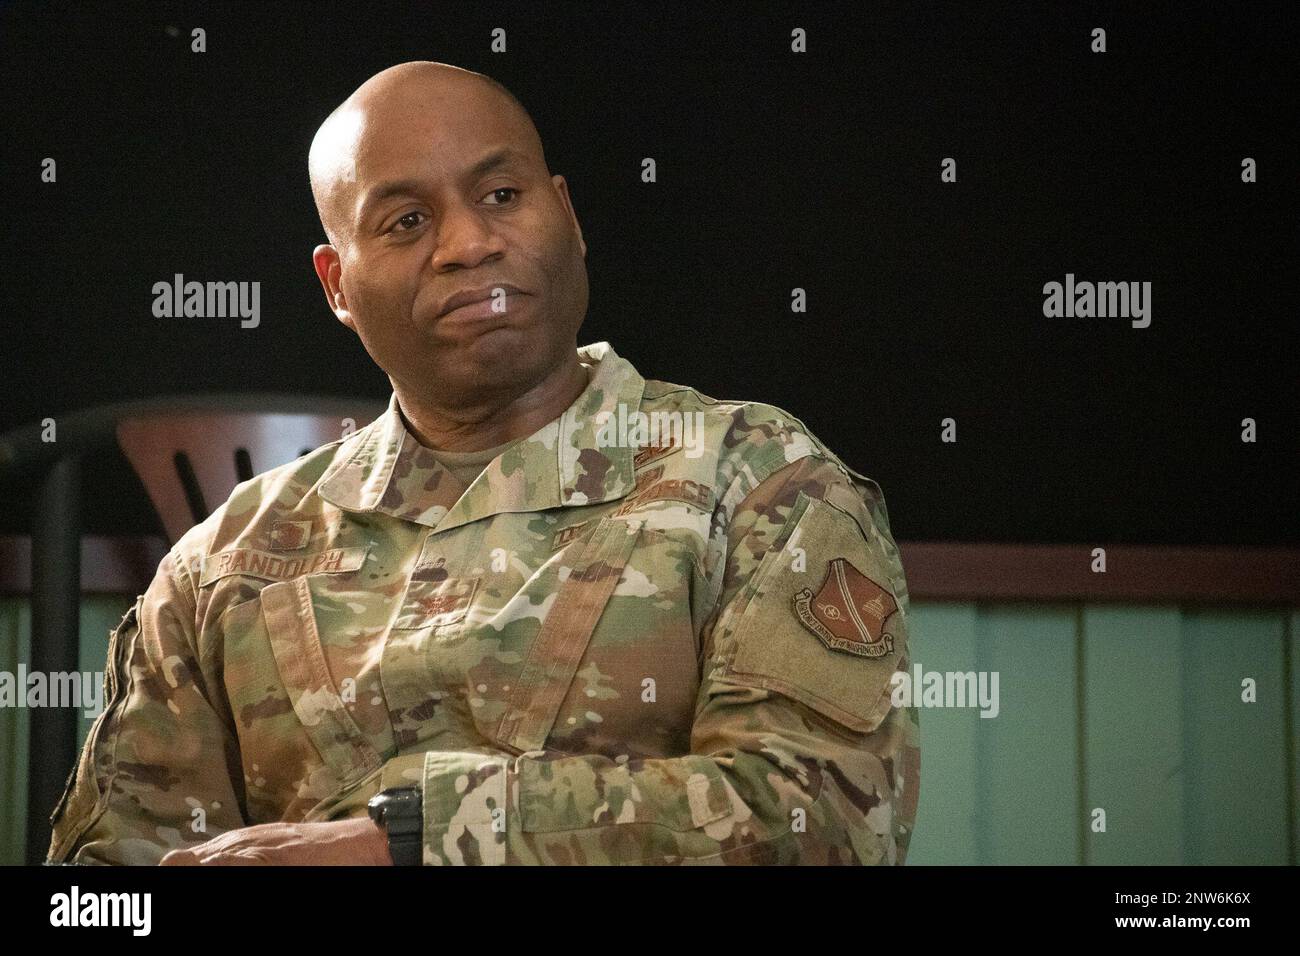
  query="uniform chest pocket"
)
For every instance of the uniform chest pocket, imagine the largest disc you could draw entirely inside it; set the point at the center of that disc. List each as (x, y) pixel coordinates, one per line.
(434, 600)
(560, 644)
(273, 651)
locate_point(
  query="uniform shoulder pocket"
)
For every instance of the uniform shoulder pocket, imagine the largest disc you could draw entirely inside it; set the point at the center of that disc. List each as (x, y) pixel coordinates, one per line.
(821, 623)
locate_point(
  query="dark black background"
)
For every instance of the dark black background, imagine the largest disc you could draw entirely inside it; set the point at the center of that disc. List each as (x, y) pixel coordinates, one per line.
(775, 170)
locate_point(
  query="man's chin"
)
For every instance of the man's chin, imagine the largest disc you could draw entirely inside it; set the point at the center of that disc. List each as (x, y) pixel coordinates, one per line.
(498, 346)
(477, 336)
(492, 358)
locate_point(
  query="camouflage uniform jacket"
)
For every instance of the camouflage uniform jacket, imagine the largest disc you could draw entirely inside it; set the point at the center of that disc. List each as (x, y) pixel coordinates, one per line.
(604, 650)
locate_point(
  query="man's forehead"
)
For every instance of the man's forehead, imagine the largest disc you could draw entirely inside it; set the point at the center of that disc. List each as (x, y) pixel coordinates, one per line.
(334, 150)
(427, 136)
(423, 122)
(427, 140)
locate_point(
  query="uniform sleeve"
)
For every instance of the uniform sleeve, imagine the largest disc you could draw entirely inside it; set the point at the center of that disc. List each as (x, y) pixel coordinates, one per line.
(797, 753)
(160, 767)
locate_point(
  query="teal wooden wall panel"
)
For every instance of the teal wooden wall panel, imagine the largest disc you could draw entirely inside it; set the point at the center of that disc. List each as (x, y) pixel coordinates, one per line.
(1292, 651)
(942, 638)
(1133, 731)
(15, 627)
(1027, 798)
(1186, 771)
(1235, 752)
(99, 614)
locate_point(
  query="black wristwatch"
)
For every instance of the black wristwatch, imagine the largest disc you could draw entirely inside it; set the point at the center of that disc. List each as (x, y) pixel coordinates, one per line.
(400, 811)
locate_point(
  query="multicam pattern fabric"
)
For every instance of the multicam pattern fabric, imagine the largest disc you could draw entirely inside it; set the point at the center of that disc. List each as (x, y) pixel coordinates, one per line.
(593, 654)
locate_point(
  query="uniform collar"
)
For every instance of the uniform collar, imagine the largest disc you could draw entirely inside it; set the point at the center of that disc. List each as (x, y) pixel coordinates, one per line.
(387, 470)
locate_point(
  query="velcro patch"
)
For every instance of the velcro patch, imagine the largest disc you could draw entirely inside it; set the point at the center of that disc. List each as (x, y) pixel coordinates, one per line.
(277, 567)
(290, 535)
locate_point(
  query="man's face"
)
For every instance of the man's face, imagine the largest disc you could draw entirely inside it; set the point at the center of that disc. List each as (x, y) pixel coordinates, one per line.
(451, 194)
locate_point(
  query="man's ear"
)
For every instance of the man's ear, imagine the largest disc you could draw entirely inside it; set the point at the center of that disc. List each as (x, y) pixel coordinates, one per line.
(330, 273)
(562, 188)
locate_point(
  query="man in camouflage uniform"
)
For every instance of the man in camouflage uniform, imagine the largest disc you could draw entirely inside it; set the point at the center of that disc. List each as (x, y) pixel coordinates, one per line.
(593, 618)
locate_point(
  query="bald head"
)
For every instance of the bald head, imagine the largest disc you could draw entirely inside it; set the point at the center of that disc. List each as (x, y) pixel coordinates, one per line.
(440, 98)
(432, 186)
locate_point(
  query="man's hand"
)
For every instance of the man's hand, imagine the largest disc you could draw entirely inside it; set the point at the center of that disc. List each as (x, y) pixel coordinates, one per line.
(353, 842)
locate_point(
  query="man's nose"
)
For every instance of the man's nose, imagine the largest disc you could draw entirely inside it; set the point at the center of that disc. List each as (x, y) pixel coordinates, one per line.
(465, 239)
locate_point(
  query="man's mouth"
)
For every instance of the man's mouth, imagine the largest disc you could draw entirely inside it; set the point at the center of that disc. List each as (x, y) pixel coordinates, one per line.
(485, 315)
(499, 298)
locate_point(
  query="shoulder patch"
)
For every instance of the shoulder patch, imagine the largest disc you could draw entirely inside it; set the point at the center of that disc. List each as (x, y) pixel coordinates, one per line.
(850, 611)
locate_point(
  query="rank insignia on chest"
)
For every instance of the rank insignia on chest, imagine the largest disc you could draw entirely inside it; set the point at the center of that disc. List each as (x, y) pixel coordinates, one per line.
(435, 603)
(849, 612)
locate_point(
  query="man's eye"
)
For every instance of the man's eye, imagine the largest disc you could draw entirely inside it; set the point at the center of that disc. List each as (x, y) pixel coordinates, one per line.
(404, 219)
(503, 189)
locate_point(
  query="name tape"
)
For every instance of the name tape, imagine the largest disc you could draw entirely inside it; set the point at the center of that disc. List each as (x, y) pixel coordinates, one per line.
(277, 567)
